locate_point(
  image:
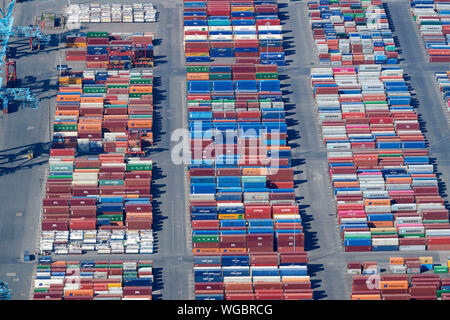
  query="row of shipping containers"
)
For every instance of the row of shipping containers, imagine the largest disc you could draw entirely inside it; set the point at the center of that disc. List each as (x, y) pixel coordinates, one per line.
(443, 83)
(433, 20)
(406, 279)
(94, 280)
(98, 191)
(351, 32)
(247, 233)
(104, 192)
(112, 51)
(105, 110)
(254, 276)
(383, 181)
(246, 29)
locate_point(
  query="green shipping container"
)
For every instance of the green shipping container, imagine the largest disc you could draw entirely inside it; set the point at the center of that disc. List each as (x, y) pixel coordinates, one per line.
(434, 221)
(138, 95)
(112, 217)
(61, 167)
(267, 75)
(111, 182)
(117, 86)
(141, 116)
(440, 292)
(375, 232)
(220, 76)
(97, 34)
(94, 90)
(139, 167)
(44, 266)
(357, 236)
(141, 81)
(40, 289)
(440, 269)
(60, 176)
(253, 178)
(64, 127)
(205, 238)
(190, 69)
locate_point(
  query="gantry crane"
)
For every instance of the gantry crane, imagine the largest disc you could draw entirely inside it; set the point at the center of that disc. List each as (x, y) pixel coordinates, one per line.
(10, 93)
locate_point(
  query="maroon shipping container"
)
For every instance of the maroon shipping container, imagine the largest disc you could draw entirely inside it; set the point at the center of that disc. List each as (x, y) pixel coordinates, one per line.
(54, 225)
(137, 290)
(239, 296)
(396, 296)
(209, 286)
(264, 259)
(357, 248)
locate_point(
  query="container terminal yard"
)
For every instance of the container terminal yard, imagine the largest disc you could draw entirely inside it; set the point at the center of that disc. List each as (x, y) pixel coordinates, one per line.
(314, 163)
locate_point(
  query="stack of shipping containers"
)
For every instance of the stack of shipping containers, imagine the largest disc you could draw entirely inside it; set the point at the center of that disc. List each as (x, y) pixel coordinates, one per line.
(351, 33)
(385, 187)
(98, 192)
(408, 279)
(94, 280)
(384, 184)
(101, 50)
(443, 82)
(247, 236)
(433, 20)
(248, 30)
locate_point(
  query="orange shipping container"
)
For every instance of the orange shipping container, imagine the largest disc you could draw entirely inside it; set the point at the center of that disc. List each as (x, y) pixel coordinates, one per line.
(90, 127)
(377, 202)
(79, 292)
(197, 76)
(91, 100)
(68, 98)
(139, 124)
(396, 261)
(393, 284)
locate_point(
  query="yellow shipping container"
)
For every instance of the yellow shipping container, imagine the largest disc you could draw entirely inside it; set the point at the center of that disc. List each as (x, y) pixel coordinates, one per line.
(426, 260)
